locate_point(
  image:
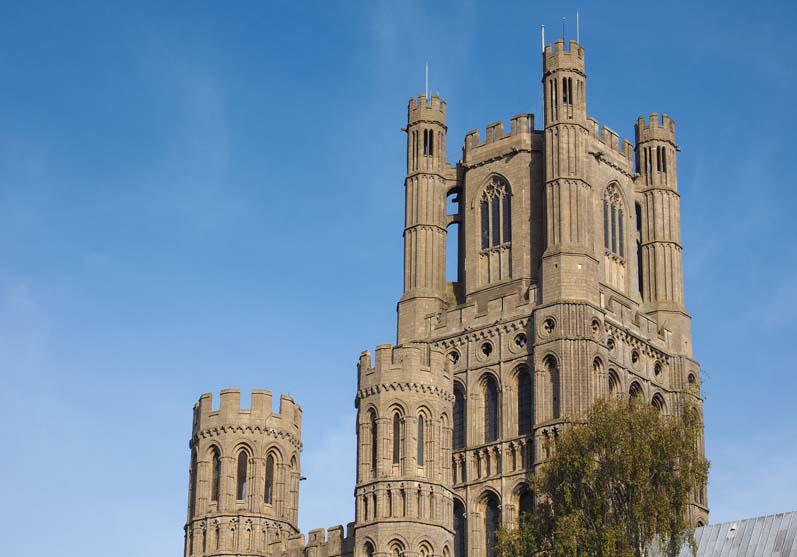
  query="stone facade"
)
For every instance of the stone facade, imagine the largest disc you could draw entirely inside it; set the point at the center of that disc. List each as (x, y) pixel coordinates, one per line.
(569, 288)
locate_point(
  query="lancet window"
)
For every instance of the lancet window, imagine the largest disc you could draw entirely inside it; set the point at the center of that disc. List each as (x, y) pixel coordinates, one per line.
(495, 208)
(613, 222)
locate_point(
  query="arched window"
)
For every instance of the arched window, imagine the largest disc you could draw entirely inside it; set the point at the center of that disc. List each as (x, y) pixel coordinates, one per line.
(635, 390)
(490, 409)
(396, 438)
(421, 440)
(460, 530)
(492, 522)
(613, 222)
(460, 422)
(374, 442)
(241, 475)
(526, 501)
(614, 383)
(368, 549)
(269, 491)
(524, 402)
(496, 214)
(658, 403)
(552, 373)
(192, 484)
(215, 484)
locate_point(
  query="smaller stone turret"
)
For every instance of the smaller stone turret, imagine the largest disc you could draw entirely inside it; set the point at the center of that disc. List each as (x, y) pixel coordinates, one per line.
(404, 411)
(244, 476)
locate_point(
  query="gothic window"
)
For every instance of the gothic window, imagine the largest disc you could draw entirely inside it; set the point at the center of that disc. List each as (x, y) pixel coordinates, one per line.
(396, 438)
(658, 403)
(269, 491)
(428, 143)
(459, 417)
(635, 390)
(215, 484)
(495, 211)
(526, 501)
(374, 442)
(368, 549)
(567, 90)
(614, 383)
(490, 410)
(241, 475)
(524, 402)
(552, 374)
(492, 522)
(460, 530)
(421, 440)
(192, 492)
(613, 222)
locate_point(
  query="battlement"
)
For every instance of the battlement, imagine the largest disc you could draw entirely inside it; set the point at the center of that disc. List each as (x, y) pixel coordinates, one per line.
(431, 109)
(332, 542)
(610, 139)
(520, 124)
(407, 363)
(556, 57)
(655, 127)
(230, 412)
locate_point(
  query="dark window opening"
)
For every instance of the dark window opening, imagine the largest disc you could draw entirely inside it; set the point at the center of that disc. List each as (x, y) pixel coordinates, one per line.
(396, 438)
(216, 478)
(269, 491)
(460, 530)
(524, 403)
(492, 521)
(459, 418)
(374, 443)
(421, 441)
(490, 410)
(241, 472)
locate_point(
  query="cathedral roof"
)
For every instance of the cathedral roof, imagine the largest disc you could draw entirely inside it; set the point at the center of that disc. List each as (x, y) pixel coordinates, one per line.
(774, 535)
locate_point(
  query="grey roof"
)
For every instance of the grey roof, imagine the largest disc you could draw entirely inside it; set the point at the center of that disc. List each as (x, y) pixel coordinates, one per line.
(766, 536)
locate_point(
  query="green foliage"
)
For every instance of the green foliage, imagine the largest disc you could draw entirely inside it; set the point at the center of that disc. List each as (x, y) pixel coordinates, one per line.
(615, 484)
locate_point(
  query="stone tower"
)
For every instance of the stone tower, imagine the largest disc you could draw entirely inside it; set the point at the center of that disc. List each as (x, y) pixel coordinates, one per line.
(244, 476)
(569, 287)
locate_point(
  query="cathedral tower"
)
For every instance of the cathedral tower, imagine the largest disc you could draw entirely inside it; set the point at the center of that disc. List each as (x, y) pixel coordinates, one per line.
(244, 476)
(425, 216)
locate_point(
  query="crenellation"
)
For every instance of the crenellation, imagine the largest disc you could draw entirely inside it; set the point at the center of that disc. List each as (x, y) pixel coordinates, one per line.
(556, 56)
(655, 127)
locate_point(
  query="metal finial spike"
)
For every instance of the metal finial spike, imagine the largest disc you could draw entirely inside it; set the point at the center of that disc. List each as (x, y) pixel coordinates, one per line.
(564, 35)
(578, 30)
(542, 33)
(427, 82)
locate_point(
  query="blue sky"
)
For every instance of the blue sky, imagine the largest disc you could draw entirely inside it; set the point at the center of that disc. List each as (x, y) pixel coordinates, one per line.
(162, 168)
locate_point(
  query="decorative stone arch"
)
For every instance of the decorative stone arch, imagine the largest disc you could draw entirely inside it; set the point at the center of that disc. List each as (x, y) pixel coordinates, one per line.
(635, 390)
(489, 394)
(491, 178)
(215, 455)
(657, 401)
(523, 405)
(396, 546)
(460, 520)
(614, 384)
(425, 547)
(522, 498)
(549, 388)
(272, 476)
(489, 508)
(244, 469)
(367, 548)
(459, 424)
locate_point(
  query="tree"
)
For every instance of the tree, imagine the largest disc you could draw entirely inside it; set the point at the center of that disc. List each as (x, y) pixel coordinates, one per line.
(616, 484)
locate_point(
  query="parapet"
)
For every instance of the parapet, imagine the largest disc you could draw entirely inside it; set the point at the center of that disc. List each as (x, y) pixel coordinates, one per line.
(556, 57)
(426, 109)
(656, 127)
(412, 362)
(230, 412)
(521, 126)
(333, 542)
(610, 139)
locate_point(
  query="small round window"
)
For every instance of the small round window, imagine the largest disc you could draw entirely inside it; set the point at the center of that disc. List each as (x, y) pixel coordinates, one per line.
(486, 349)
(520, 340)
(453, 357)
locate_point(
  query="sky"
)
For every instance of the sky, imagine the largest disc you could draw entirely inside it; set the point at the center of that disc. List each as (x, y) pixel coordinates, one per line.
(204, 195)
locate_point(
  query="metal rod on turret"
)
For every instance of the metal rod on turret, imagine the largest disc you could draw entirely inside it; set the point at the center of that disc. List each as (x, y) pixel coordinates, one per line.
(564, 34)
(427, 82)
(578, 30)
(542, 33)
